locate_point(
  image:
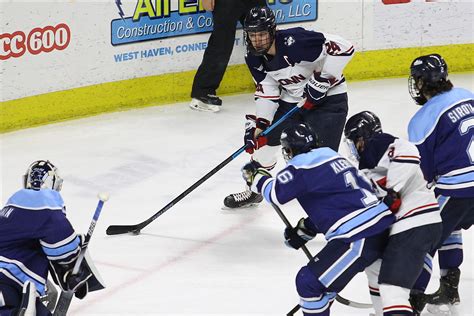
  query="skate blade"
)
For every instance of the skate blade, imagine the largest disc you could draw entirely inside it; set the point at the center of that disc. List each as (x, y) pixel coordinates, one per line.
(251, 205)
(200, 106)
(443, 310)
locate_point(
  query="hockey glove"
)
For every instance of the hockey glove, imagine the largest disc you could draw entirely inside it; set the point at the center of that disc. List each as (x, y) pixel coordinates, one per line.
(393, 200)
(253, 127)
(78, 282)
(299, 235)
(252, 172)
(315, 90)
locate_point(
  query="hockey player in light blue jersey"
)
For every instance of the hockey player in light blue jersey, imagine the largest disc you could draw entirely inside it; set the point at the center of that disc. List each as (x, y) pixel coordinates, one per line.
(443, 131)
(340, 204)
(36, 236)
(291, 67)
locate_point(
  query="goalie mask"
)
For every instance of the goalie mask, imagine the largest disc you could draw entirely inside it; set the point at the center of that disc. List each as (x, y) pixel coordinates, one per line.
(42, 174)
(259, 30)
(426, 72)
(361, 126)
(298, 139)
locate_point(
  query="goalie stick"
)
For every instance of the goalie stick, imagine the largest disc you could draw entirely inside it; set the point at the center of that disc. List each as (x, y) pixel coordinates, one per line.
(66, 296)
(308, 254)
(123, 229)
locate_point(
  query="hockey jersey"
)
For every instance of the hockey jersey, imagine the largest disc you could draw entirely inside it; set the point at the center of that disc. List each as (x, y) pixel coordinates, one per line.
(299, 54)
(34, 230)
(338, 199)
(443, 132)
(394, 163)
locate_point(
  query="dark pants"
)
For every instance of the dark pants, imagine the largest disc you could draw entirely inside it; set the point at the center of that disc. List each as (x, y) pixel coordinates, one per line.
(327, 120)
(404, 256)
(456, 214)
(332, 269)
(221, 42)
(12, 298)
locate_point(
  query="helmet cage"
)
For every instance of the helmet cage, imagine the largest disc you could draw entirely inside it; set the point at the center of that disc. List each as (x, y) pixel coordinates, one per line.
(42, 174)
(259, 20)
(426, 72)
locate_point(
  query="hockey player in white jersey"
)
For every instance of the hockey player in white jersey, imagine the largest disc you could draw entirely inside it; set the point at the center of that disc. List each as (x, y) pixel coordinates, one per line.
(393, 165)
(288, 67)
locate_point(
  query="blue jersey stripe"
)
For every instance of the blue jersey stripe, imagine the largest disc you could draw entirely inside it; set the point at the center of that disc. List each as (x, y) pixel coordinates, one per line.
(354, 252)
(357, 221)
(62, 250)
(453, 239)
(457, 179)
(20, 275)
(267, 191)
(319, 305)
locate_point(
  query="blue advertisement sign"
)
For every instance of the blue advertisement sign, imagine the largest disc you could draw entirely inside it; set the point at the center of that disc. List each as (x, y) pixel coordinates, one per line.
(158, 19)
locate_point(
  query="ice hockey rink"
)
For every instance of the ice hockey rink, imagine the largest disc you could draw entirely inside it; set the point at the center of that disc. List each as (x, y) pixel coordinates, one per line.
(195, 259)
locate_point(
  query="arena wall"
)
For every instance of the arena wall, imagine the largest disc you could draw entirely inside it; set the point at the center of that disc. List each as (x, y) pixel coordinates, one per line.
(67, 59)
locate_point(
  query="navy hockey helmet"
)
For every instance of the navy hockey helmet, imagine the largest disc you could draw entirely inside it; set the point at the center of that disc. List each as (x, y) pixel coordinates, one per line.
(298, 139)
(42, 174)
(258, 20)
(363, 126)
(426, 72)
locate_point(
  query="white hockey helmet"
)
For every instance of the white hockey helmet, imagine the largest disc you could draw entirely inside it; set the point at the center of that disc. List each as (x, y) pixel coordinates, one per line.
(42, 174)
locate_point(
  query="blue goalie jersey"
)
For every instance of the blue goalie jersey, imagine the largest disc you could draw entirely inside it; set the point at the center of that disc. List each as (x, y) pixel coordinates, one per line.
(33, 231)
(336, 196)
(443, 131)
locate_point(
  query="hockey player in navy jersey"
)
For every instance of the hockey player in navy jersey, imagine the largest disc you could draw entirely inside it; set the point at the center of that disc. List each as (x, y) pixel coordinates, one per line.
(340, 204)
(35, 236)
(393, 165)
(288, 67)
(443, 132)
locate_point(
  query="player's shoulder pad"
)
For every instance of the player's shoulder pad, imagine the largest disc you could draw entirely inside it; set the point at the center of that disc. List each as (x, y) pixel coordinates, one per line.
(298, 38)
(404, 147)
(300, 44)
(425, 120)
(44, 199)
(313, 158)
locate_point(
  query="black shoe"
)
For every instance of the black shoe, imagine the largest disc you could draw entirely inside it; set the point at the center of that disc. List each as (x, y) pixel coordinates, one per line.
(242, 199)
(418, 302)
(208, 103)
(447, 294)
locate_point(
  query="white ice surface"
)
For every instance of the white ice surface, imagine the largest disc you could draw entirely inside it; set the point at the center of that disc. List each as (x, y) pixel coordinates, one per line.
(195, 259)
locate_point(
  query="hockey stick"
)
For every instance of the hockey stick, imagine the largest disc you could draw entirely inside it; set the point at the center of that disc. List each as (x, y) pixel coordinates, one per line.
(308, 254)
(66, 296)
(122, 229)
(51, 296)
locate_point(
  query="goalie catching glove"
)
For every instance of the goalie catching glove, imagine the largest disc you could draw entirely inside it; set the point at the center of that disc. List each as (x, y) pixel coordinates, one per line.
(253, 127)
(296, 237)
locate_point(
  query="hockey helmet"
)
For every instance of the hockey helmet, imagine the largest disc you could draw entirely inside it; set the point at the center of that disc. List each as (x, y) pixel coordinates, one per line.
(425, 72)
(42, 174)
(363, 126)
(298, 139)
(259, 19)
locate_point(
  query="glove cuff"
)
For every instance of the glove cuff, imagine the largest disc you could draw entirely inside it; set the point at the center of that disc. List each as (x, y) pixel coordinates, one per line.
(262, 123)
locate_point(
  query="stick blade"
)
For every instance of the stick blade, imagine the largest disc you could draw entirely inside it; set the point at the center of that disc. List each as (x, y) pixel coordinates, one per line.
(122, 229)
